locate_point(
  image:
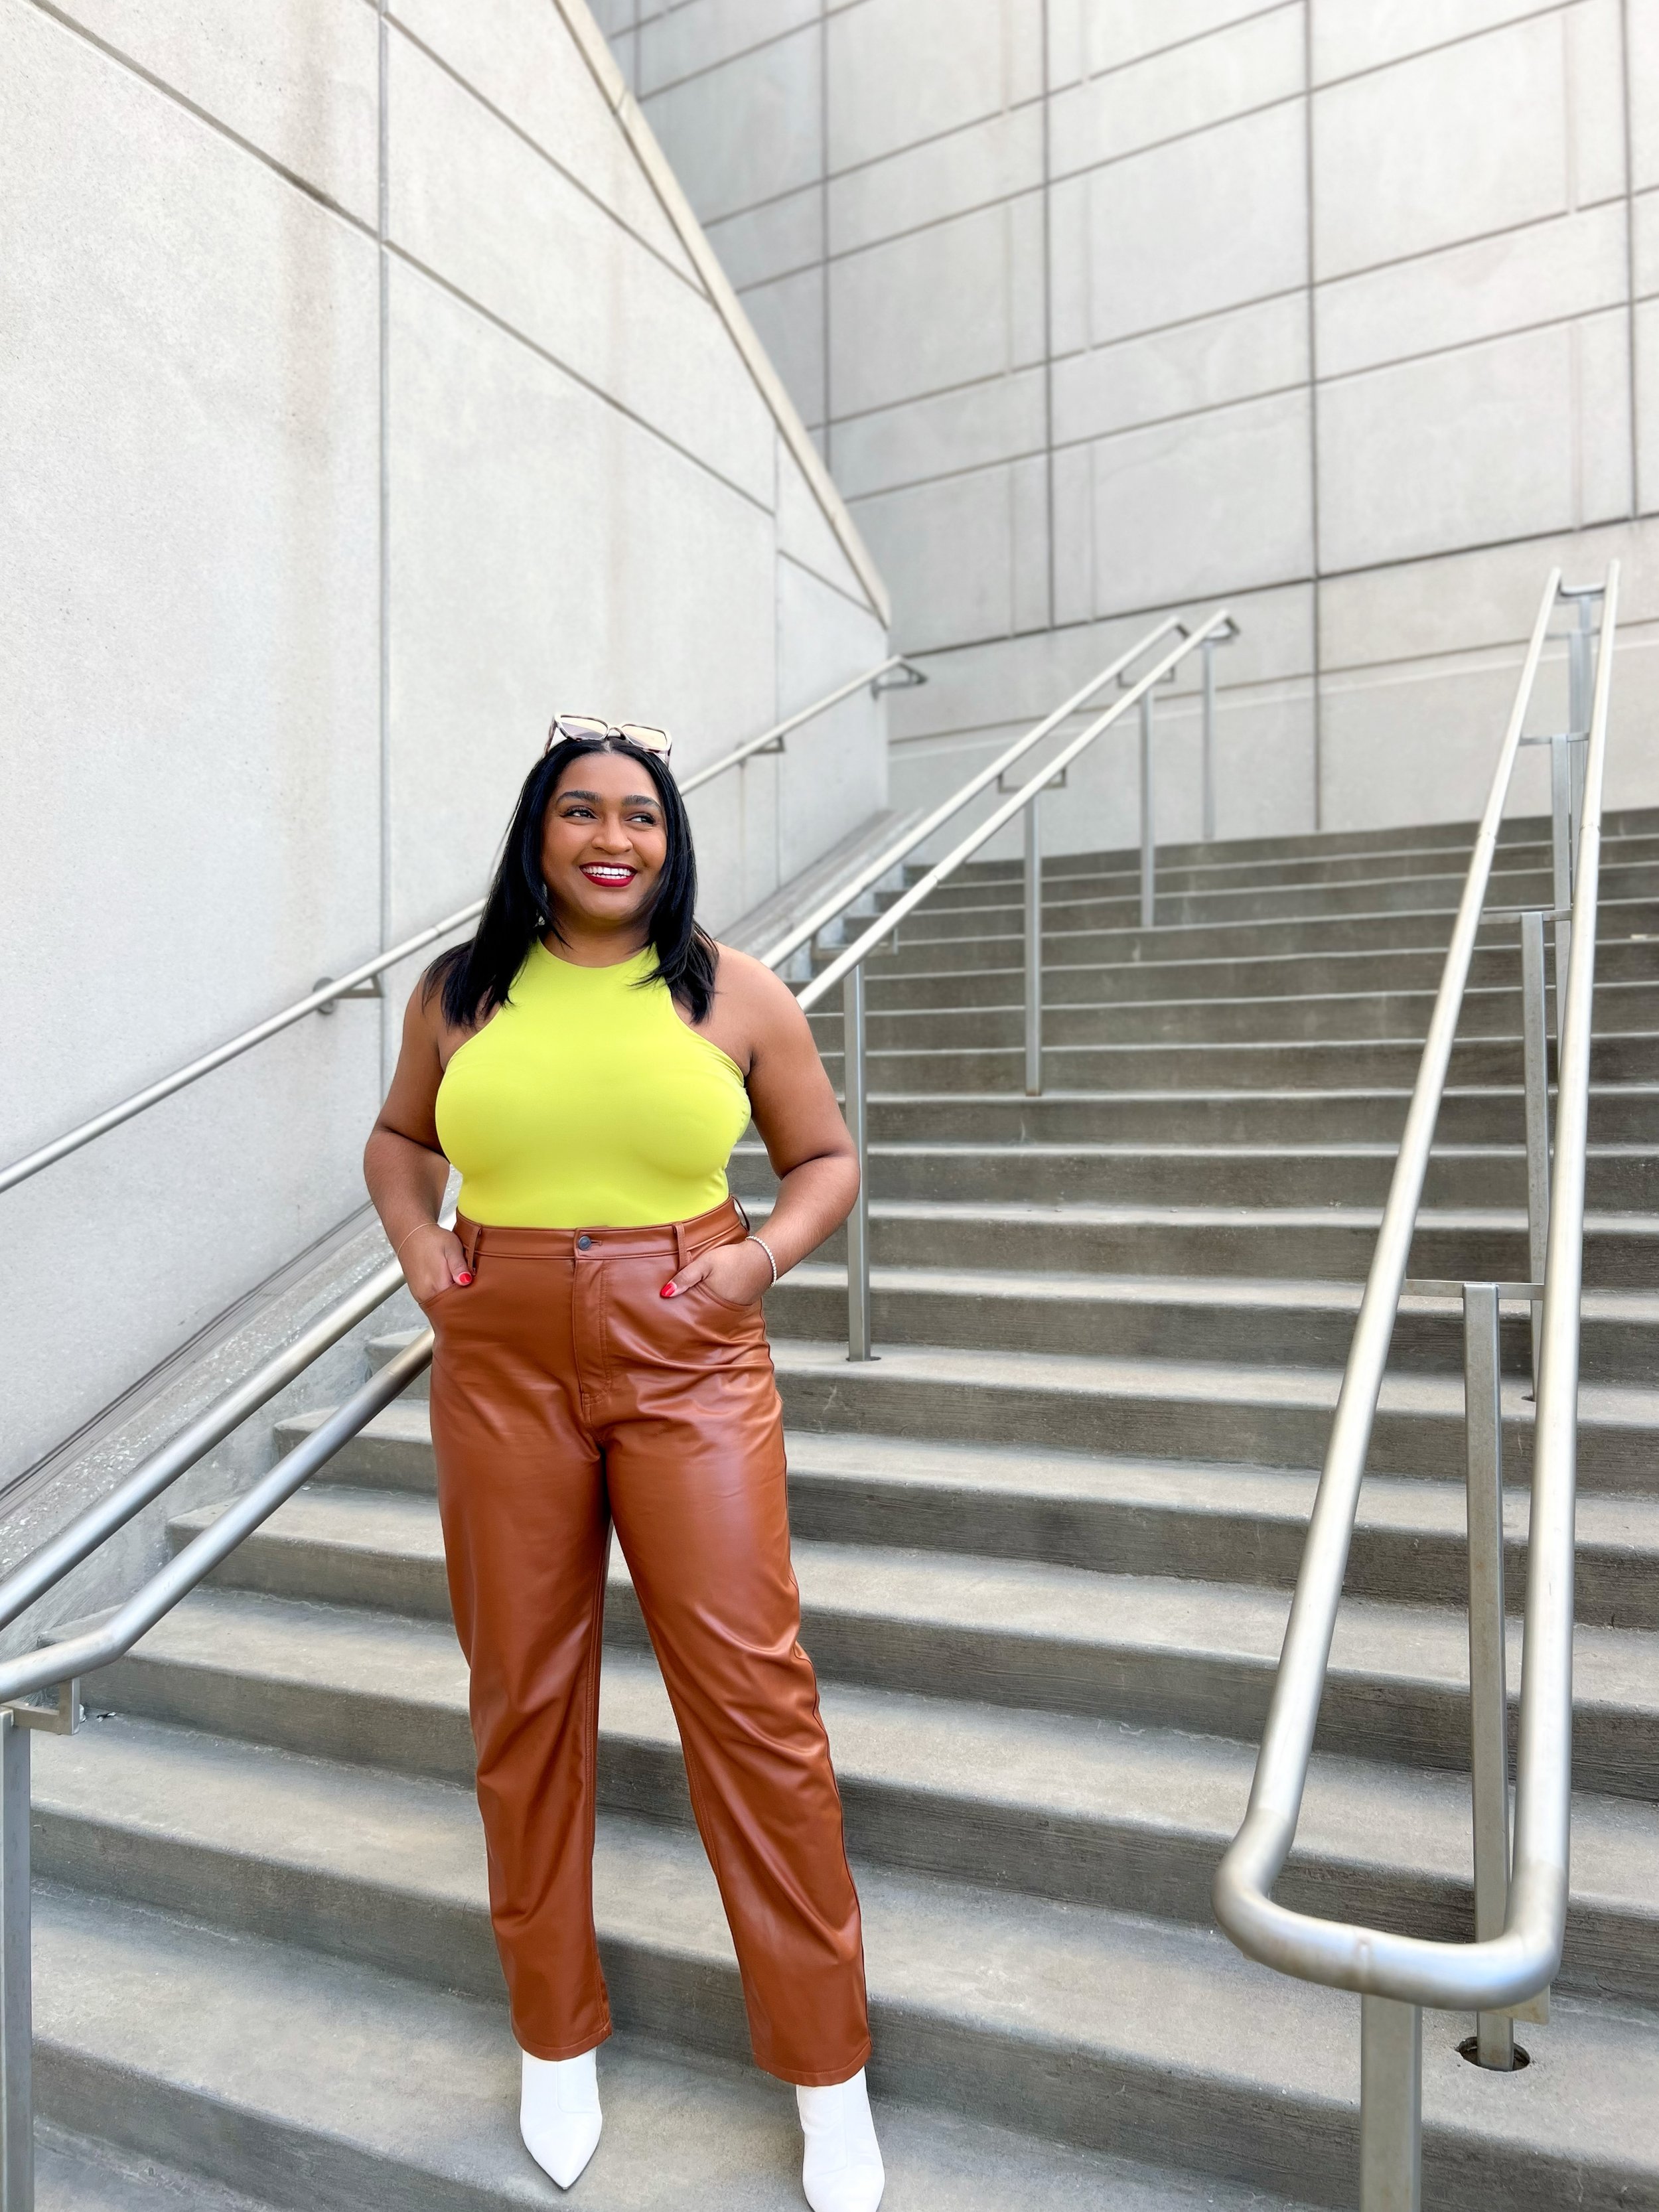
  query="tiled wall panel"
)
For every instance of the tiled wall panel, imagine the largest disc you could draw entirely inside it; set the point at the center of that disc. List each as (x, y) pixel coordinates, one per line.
(1254, 298)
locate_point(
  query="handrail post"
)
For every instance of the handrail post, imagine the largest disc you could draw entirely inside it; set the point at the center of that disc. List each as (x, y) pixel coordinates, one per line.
(1561, 748)
(1033, 951)
(1489, 1763)
(1148, 819)
(1390, 2105)
(16, 2032)
(1207, 761)
(1536, 1078)
(854, 1075)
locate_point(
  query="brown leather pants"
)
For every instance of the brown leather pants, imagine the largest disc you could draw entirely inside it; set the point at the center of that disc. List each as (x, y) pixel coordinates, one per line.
(567, 1392)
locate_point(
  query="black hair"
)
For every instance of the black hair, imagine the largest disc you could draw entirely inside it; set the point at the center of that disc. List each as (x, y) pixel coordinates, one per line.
(476, 978)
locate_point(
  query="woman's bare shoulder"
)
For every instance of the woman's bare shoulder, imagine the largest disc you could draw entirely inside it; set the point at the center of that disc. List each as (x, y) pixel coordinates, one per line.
(752, 985)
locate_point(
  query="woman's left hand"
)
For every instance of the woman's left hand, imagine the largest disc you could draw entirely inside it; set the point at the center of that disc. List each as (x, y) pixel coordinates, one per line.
(739, 1273)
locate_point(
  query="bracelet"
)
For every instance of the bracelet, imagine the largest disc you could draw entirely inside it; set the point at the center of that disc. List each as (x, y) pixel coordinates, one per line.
(397, 1250)
(770, 1255)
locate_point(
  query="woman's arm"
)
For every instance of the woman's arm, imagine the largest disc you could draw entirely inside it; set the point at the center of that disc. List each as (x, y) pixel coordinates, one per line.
(800, 1124)
(403, 1167)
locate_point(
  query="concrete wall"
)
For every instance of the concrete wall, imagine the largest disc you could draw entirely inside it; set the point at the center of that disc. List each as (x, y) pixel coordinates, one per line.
(368, 392)
(1346, 312)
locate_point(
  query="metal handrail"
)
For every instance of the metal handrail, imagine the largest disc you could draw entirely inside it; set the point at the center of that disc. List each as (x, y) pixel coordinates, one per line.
(895, 854)
(332, 989)
(771, 741)
(114, 1635)
(848, 966)
(1396, 1973)
(82, 1535)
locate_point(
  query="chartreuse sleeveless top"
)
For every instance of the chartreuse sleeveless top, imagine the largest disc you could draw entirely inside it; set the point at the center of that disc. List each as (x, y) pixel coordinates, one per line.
(585, 1102)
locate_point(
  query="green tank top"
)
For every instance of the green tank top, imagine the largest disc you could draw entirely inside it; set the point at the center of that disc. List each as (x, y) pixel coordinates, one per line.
(585, 1102)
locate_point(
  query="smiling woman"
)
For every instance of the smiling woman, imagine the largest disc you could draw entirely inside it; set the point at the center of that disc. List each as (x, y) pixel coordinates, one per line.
(588, 1062)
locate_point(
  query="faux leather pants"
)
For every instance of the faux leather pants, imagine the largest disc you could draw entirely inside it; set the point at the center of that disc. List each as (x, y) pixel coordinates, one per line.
(567, 1392)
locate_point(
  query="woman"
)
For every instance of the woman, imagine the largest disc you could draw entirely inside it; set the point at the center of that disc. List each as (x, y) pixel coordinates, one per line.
(588, 1061)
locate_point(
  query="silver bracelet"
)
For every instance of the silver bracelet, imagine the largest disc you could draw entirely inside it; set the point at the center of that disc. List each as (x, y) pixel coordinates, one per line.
(767, 1249)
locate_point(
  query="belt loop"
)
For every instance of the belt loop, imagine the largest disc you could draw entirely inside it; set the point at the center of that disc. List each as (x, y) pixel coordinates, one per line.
(471, 1243)
(679, 1247)
(742, 1214)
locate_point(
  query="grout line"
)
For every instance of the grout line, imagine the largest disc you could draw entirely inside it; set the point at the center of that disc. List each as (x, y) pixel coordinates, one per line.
(535, 147)
(823, 225)
(1317, 610)
(1048, 315)
(169, 92)
(565, 368)
(1633, 346)
(1184, 415)
(383, 274)
(1353, 276)
(1240, 597)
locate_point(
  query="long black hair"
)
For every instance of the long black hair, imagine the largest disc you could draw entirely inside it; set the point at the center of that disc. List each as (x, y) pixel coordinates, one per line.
(475, 978)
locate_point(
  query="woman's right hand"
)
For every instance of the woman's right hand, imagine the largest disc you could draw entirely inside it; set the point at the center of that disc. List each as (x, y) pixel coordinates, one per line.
(433, 1260)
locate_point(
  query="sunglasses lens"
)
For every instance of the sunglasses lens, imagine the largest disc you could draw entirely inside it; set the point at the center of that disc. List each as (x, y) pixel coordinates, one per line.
(648, 740)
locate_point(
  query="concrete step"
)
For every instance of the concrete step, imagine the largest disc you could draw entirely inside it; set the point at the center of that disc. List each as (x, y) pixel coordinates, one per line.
(999, 982)
(1620, 1008)
(1384, 892)
(353, 2089)
(1319, 1063)
(1148, 1516)
(1152, 1650)
(1620, 1114)
(1001, 940)
(1274, 1322)
(77, 2174)
(1233, 1413)
(1102, 873)
(1203, 1410)
(388, 1869)
(1085, 2027)
(1618, 1177)
(1328, 1243)
(1456, 838)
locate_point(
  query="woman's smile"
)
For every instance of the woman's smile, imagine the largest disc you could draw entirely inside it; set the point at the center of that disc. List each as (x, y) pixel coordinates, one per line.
(611, 873)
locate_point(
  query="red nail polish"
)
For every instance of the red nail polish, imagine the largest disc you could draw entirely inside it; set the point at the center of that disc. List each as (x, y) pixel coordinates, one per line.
(463, 1280)
(666, 1292)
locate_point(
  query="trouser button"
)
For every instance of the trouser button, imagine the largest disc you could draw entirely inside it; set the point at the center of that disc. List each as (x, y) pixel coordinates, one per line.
(583, 1243)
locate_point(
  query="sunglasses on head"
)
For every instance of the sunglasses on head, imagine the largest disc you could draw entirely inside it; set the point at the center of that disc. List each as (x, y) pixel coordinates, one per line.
(593, 726)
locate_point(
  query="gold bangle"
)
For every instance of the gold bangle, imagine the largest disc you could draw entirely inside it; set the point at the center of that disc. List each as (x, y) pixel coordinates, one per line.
(397, 1250)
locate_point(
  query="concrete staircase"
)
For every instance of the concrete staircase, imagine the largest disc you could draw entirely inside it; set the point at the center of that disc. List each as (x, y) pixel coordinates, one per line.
(1044, 1545)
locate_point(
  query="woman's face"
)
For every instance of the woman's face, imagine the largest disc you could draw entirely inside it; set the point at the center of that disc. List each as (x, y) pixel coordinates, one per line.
(604, 845)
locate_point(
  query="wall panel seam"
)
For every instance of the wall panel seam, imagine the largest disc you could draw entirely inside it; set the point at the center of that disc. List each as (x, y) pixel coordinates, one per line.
(726, 61)
(597, 391)
(1447, 46)
(222, 129)
(1572, 321)
(550, 160)
(590, 44)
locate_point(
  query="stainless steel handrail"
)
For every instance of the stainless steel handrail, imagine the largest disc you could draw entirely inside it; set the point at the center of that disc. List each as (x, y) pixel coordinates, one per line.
(153, 1474)
(895, 854)
(771, 741)
(323, 997)
(117, 1631)
(848, 966)
(1396, 1973)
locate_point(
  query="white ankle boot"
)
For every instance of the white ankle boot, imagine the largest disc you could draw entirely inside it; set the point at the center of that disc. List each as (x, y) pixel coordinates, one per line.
(559, 2115)
(842, 2170)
